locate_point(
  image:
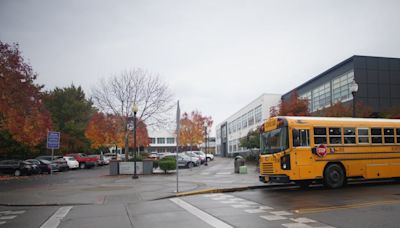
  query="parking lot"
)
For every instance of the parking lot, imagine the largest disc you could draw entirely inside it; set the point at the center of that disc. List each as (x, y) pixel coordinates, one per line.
(92, 198)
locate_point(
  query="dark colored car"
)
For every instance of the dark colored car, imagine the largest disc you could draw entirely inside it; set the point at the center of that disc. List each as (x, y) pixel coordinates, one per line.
(44, 165)
(62, 164)
(15, 167)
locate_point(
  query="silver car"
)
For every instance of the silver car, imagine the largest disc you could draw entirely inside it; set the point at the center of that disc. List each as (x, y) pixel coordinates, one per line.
(185, 161)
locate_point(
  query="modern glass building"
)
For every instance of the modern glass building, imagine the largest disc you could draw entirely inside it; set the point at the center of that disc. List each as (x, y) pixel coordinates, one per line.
(378, 80)
(235, 127)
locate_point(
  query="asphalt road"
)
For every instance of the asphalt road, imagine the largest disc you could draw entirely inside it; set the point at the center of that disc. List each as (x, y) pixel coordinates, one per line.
(90, 198)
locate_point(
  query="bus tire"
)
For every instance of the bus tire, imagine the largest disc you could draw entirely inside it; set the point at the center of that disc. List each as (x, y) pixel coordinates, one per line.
(334, 176)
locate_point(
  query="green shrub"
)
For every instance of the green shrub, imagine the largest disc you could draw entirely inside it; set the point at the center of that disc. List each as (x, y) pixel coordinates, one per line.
(167, 164)
(144, 154)
(138, 158)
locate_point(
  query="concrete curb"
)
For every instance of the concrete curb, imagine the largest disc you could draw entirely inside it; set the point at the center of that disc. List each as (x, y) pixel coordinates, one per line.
(223, 190)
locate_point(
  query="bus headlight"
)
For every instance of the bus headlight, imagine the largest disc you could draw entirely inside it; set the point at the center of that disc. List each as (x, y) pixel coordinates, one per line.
(285, 162)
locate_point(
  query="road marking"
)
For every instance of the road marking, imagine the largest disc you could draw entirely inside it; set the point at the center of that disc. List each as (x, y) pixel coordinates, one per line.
(273, 217)
(248, 202)
(7, 217)
(1, 223)
(254, 211)
(346, 206)
(211, 220)
(241, 206)
(280, 213)
(55, 220)
(228, 201)
(296, 225)
(11, 212)
(224, 173)
(302, 220)
(265, 208)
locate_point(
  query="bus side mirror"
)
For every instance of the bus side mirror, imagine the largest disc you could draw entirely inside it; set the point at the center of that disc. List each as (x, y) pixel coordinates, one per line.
(314, 150)
(296, 139)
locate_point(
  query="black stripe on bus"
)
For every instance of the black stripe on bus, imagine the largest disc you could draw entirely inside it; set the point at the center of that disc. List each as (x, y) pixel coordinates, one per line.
(363, 153)
(346, 159)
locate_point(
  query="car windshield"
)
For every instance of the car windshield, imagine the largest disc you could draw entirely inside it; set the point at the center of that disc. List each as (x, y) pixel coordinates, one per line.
(274, 141)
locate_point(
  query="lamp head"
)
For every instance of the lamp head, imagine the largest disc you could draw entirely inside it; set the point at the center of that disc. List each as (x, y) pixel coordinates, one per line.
(354, 87)
(135, 108)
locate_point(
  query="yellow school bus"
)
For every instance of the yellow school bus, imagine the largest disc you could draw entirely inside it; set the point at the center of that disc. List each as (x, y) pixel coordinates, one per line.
(331, 150)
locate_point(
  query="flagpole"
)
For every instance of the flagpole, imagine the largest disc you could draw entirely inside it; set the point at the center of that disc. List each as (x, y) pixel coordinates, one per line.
(178, 117)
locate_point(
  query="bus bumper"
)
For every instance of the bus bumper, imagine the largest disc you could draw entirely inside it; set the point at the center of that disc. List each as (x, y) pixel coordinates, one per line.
(274, 179)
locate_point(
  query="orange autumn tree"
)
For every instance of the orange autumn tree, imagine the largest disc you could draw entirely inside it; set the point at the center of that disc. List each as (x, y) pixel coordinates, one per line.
(105, 130)
(340, 109)
(22, 113)
(294, 106)
(191, 130)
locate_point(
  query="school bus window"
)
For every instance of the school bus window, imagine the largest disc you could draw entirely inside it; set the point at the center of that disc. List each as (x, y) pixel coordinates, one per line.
(388, 135)
(319, 135)
(376, 135)
(363, 136)
(301, 137)
(349, 135)
(335, 135)
(398, 135)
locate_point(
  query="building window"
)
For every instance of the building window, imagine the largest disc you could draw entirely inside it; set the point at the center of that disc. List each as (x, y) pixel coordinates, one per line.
(319, 135)
(341, 87)
(321, 97)
(349, 135)
(170, 140)
(376, 135)
(250, 117)
(244, 121)
(160, 140)
(389, 135)
(153, 140)
(363, 137)
(239, 124)
(307, 96)
(258, 114)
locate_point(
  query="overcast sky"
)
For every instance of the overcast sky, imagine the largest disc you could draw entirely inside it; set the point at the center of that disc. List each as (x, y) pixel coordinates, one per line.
(216, 56)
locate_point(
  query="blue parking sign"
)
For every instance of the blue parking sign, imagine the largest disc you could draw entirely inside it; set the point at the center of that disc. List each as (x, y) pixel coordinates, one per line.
(53, 140)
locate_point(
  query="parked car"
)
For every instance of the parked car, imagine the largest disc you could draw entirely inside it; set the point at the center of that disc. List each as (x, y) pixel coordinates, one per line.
(71, 162)
(101, 159)
(193, 154)
(110, 156)
(106, 159)
(61, 163)
(15, 167)
(184, 160)
(43, 165)
(209, 157)
(84, 160)
(154, 156)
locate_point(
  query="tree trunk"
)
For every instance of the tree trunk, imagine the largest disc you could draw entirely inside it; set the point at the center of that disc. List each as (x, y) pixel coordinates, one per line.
(126, 146)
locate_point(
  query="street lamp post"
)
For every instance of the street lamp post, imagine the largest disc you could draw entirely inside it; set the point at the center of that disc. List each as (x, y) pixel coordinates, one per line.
(134, 109)
(354, 89)
(205, 141)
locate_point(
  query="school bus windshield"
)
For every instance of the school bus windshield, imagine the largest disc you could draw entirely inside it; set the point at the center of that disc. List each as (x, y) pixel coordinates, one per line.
(274, 141)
